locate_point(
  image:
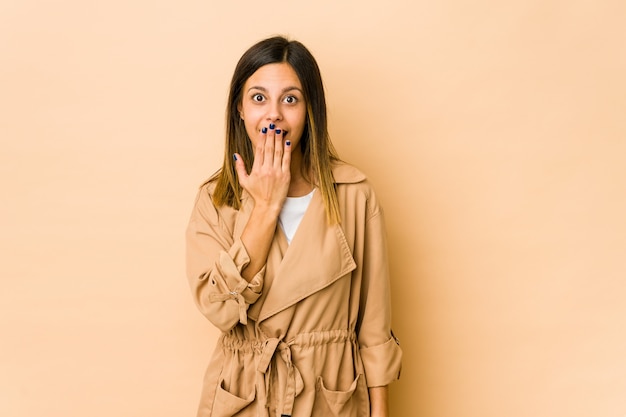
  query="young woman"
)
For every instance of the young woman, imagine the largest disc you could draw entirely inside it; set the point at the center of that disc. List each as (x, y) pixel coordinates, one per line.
(286, 255)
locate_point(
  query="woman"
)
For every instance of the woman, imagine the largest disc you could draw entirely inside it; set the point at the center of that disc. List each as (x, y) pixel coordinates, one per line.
(286, 255)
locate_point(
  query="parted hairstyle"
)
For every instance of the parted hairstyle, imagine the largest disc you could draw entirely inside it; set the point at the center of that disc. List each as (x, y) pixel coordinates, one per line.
(317, 149)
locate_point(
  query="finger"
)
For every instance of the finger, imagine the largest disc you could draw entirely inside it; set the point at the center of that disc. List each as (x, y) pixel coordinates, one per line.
(259, 149)
(269, 145)
(278, 148)
(286, 160)
(240, 168)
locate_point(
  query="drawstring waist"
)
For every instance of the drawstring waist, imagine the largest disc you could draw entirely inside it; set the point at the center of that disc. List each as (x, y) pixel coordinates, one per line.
(293, 381)
(284, 370)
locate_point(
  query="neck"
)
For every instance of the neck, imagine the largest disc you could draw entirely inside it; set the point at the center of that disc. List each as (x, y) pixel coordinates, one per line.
(298, 186)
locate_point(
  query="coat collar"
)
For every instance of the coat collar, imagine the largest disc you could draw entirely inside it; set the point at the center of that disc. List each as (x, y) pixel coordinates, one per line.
(318, 256)
(346, 174)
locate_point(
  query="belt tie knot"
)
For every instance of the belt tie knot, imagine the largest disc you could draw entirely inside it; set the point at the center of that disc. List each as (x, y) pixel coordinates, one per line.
(285, 368)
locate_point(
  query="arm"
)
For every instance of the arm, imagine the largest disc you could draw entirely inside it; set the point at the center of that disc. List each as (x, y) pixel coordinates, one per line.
(379, 401)
(226, 273)
(215, 261)
(267, 184)
(379, 349)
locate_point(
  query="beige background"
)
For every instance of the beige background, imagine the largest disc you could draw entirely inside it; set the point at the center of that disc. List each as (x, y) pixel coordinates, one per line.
(493, 131)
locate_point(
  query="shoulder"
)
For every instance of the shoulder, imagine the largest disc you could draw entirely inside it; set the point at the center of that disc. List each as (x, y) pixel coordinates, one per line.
(350, 178)
(207, 188)
(205, 193)
(344, 173)
(354, 189)
(205, 208)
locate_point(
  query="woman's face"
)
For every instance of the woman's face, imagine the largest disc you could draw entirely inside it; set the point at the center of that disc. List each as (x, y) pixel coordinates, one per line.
(273, 95)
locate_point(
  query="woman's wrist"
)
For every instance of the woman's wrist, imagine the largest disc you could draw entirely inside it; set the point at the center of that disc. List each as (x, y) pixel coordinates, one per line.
(379, 403)
(267, 210)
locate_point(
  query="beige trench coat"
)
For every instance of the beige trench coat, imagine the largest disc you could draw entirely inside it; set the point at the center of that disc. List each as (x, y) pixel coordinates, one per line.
(312, 330)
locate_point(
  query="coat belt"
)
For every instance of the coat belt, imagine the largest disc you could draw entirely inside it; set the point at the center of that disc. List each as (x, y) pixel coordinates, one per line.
(284, 368)
(294, 383)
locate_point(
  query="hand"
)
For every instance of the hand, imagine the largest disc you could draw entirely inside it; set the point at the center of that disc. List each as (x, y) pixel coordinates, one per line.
(268, 181)
(267, 184)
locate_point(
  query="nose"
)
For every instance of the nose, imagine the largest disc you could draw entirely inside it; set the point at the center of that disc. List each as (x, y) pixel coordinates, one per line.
(274, 112)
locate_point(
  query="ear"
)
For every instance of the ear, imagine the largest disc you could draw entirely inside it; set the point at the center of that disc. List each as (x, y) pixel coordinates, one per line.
(239, 109)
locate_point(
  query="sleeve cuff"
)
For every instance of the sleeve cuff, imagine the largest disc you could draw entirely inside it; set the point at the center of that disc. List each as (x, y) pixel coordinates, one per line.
(382, 363)
(235, 290)
(235, 261)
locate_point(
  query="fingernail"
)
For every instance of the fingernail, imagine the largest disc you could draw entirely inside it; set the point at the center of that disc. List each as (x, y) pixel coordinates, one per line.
(234, 157)
(288, 143)
(264, 130)
(272, 125)
(278, 131)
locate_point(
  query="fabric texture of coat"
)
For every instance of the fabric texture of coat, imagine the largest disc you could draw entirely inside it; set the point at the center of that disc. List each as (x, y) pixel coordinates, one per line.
(311, 332)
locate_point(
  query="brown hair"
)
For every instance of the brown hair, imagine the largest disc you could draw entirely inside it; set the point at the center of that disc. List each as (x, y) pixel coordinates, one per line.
(315, 143)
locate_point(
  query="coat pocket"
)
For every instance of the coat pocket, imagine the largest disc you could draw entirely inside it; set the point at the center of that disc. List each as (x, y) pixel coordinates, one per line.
(227, 404)
(351, 403)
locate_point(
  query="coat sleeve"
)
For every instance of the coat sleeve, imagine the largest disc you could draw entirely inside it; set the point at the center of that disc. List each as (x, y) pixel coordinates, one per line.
(379, 348)
(215, 260)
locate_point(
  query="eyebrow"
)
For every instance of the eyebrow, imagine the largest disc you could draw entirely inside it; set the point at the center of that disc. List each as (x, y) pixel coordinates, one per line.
(286, 89)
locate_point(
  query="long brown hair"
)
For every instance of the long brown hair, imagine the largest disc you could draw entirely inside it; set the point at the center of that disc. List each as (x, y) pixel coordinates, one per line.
(317, 149)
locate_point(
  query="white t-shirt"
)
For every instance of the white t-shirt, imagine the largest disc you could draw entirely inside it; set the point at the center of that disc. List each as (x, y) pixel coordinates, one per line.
(292, 213)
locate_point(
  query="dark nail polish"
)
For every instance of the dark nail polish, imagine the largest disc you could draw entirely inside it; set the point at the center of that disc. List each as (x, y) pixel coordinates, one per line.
(288, 143)
(278, 131)
(264, 130)
(234, 157)
(272, 125)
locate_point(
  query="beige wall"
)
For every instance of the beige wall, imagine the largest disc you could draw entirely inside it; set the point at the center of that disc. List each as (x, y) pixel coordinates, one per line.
(494, 132)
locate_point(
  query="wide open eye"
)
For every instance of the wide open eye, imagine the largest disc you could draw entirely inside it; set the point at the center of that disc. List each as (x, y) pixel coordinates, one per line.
(258, 98)
(290, 99)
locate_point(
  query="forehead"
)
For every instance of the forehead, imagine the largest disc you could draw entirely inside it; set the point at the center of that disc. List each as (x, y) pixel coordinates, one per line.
(277, 75)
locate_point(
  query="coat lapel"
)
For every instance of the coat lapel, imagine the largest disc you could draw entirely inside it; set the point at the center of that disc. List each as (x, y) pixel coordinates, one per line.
(318, 255)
